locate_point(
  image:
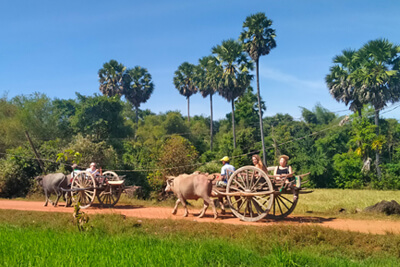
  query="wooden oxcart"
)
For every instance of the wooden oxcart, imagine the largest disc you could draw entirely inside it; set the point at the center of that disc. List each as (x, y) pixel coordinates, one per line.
(106, 187)
(253, 195)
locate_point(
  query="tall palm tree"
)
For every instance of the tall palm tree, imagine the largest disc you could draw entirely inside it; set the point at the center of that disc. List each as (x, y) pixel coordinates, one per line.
(138, 87)
(111, 78)
(235, 77)
(341, 83)
(184, 82)
(208, 76)
(258, 40)
(378, 77)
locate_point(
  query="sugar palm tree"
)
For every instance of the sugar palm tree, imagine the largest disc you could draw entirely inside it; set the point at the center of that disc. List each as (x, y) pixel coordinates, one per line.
(235, 77)
(111, 78)
(340, 80)
(208, 77)
(378, 77)
(258, 40)
(138, 87)
(184, 82)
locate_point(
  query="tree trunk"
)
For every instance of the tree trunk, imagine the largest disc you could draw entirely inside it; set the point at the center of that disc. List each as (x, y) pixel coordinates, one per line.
(137, 114)
(377, 161)
(260, 111)
(233, 124)
(211, 123)
(188, 109)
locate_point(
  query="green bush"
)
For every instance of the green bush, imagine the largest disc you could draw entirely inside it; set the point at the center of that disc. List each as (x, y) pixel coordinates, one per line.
(347, 167)
(211, 167)
(390, 179)
(17, 172)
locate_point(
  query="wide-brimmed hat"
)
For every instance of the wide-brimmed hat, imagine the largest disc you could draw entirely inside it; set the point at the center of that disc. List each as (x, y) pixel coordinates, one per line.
(226, 159)
(285, 157)
(74, 166)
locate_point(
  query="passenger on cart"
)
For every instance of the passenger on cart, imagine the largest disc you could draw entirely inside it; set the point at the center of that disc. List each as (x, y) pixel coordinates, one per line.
(93, 169)
(257, 162)
(74, 172)
(282, 170)
(226, 170)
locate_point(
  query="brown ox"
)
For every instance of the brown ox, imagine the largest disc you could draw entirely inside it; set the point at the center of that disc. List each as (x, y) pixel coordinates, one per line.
(192, 186)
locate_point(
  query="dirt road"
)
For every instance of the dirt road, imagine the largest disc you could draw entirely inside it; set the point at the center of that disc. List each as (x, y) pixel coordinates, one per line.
(364, 226)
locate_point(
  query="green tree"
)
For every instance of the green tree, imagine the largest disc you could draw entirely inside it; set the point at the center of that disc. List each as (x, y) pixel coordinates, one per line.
(367, 76)
(177, 156)
(347, 167)
(246, 107)
(10, 126)
(138, 87)
(100, 152)
(319, 115)
(258, 40)
(63, 112)
(111, 78)
(379, 78)
(184, 82)
(364, 139)
(35, 112)
(236, 77)
(340, 80)
(100, 117)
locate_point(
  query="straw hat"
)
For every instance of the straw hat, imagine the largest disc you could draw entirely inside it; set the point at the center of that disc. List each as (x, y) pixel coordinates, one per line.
(285, 157)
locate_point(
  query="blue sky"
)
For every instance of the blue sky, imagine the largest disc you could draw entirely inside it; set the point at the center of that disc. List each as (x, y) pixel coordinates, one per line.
(57, 47)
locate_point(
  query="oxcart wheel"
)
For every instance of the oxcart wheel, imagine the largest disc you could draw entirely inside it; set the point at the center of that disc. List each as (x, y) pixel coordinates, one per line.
(84, 197)
(111, 176)
(284, 204)
(250, 180)
(111, 193)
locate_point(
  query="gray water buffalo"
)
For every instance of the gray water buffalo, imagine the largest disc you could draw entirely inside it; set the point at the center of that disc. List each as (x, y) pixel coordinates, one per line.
(192, 186)
(52, 183)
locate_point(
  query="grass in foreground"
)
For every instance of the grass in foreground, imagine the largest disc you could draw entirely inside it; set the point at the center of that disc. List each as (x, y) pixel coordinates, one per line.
(49, 239)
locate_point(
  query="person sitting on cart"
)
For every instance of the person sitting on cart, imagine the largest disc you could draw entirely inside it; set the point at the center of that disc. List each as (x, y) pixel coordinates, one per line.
(226, 170)
(257, 162)
(282, 169)
(93, 169)
(74, 172)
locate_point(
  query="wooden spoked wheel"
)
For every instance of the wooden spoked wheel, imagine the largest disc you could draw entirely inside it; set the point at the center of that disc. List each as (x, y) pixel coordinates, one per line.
(111, 176)
(111, 193)
(250, 194)
(284, 203)
(83, 189)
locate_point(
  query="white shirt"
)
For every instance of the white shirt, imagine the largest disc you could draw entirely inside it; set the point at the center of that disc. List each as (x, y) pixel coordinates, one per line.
(94, 173)
(227, 170)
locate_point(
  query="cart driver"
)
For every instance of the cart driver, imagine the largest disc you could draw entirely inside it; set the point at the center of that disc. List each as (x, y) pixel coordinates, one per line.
(93, 169)
(226, 170)
(75, 170)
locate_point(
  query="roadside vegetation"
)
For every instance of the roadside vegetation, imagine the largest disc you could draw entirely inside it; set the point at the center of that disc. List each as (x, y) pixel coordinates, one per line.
(54, 239)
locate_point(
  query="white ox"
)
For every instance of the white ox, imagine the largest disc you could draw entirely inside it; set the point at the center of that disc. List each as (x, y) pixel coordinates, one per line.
(192, 186)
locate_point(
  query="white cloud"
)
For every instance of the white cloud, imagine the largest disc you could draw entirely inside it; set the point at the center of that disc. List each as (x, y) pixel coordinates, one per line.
(293, 81)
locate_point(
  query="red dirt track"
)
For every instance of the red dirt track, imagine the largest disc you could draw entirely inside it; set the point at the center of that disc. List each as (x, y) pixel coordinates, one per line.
(363, 226)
